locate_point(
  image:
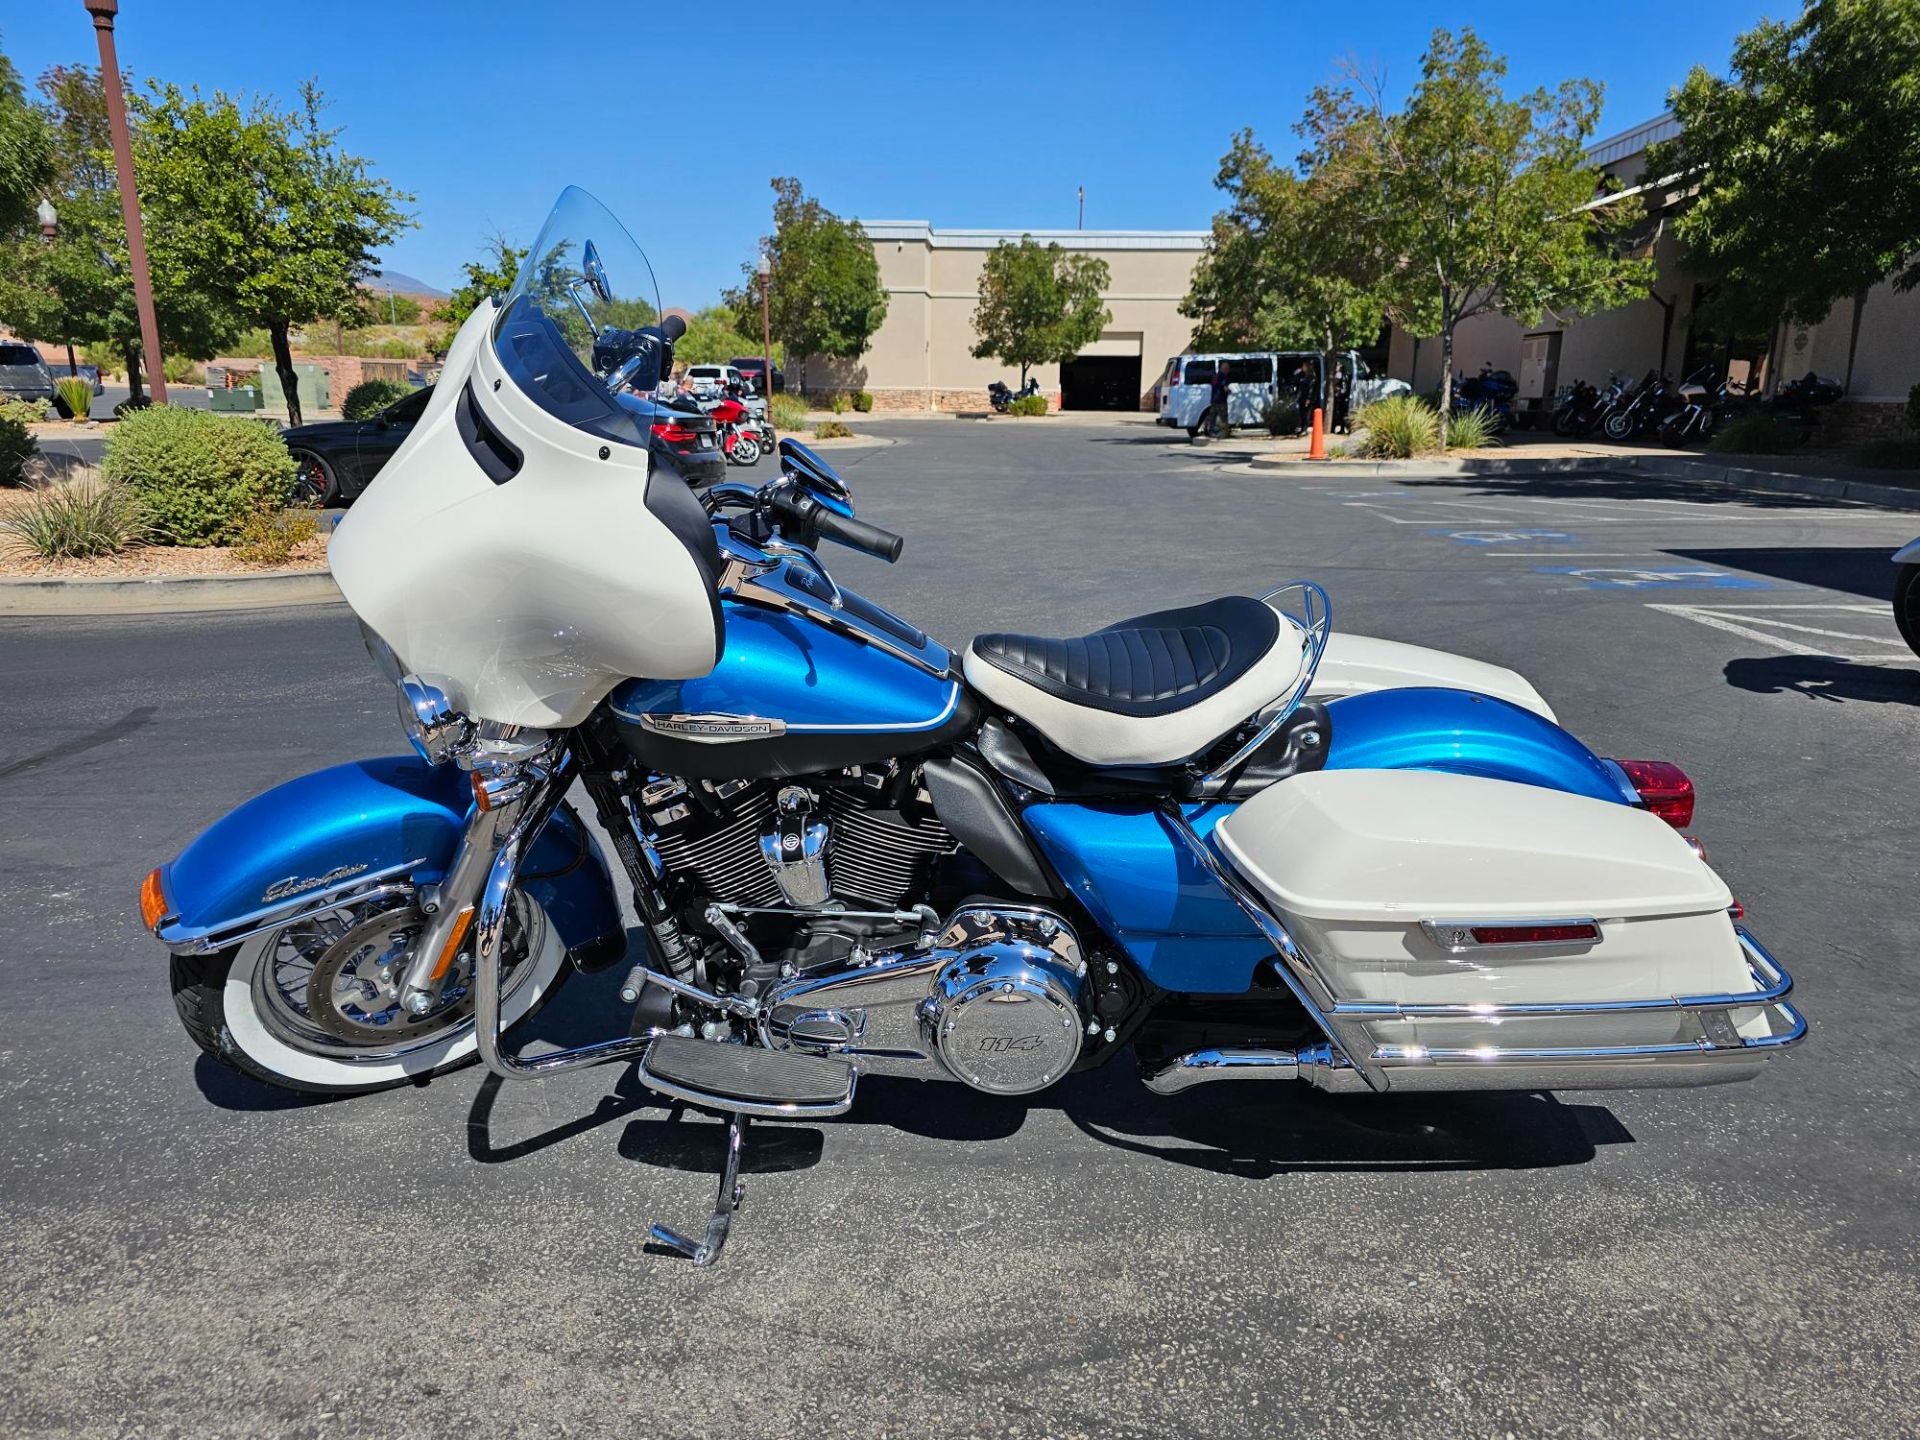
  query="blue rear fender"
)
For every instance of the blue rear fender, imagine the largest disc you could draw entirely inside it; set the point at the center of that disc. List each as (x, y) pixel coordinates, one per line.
(391, 817)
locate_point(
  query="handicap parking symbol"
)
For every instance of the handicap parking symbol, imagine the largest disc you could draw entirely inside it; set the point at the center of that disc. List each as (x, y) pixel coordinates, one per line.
(1505, 537)
(1622, 578)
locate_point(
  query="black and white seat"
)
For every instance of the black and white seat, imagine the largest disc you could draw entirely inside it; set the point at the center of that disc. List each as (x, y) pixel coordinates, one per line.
(1146, 691)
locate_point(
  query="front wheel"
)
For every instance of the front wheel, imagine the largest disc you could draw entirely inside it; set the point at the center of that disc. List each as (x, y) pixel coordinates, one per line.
(314, 1005)
(1906, 605)
(746, 451)
(314, 481)
(1618, 427)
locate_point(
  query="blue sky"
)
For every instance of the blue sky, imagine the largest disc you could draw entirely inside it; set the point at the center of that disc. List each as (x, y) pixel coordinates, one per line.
(962, 114)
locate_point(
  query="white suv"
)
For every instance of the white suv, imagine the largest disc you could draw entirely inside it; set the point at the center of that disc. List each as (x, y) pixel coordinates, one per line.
(714, 379)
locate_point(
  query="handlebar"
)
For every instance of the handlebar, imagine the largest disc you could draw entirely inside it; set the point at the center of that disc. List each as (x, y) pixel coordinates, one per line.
(810, 515)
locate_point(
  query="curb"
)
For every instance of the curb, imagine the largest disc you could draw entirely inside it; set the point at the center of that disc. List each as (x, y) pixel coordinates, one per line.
(161, 594)
(1699, 472)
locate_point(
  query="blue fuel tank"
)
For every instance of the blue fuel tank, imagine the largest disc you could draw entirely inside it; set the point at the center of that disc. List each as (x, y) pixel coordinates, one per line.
(793, 696)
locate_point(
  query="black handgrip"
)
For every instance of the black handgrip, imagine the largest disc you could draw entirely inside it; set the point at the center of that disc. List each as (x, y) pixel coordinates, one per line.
(855, 534)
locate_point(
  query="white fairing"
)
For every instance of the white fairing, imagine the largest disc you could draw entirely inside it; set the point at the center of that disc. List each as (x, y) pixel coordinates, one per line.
(1355, 664)
(525, 601)
(1354, 860)
(1908, 554)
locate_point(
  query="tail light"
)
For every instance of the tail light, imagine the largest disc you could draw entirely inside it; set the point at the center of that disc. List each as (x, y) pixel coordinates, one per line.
(1665, 788)
(675, 434)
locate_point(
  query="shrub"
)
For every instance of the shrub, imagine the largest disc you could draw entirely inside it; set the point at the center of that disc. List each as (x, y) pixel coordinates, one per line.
(23, 412)
(1473, 429)
(832, 430)
(1890, 452)
(1757, 435)
(73, 522)
(76, 395)
(271, 534)
(1281, 415)
(1027, 405)
(863, 402)
(17, 447)
(787, 412)
(200, 475)
(837, 403)
(1397, 428)
(370, 397)
(179, 370)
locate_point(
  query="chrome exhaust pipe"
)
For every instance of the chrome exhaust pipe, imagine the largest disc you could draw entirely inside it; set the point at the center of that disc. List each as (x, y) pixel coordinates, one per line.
(1311, 1063)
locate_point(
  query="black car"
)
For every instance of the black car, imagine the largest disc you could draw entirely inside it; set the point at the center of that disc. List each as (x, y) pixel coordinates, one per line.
(751, 366)
(339, 458)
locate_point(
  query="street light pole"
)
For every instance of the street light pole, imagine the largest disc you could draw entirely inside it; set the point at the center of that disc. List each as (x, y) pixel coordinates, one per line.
(766, 327)
(103, 12)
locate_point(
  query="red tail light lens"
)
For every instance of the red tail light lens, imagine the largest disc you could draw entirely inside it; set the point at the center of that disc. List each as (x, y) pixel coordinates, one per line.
(1665, 787)
(675, 434)
(1535, 934)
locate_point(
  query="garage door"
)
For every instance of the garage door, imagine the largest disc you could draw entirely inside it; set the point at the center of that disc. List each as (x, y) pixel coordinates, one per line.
(1104, 376)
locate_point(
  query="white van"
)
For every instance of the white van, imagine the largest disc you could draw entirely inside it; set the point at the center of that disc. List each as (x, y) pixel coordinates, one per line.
(1187, 389)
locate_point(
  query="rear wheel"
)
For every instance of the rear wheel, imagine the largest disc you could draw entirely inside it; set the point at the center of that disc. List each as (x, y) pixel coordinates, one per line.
(1906, 605)
(314, 480)
(314, 1005)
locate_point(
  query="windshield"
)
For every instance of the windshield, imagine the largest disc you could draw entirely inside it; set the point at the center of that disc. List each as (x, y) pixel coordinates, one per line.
(579, 331)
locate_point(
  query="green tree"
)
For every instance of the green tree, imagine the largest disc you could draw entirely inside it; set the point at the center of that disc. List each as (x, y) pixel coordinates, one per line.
(1287, 267)
(1038, 304)
(79, 288)
(492, 274)
(26, 151)
(262, 210)
(1479, 203)
(825, 297)
(713, 337)
(1806, 162)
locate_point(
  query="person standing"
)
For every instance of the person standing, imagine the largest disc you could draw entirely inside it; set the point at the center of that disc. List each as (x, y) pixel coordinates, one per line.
(1222, 390)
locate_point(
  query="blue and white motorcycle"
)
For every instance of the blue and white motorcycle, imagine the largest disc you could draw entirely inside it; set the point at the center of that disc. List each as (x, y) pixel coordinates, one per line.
(1219, 836)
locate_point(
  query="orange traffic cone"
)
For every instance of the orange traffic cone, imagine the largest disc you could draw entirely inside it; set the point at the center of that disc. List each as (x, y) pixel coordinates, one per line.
(1317, 446)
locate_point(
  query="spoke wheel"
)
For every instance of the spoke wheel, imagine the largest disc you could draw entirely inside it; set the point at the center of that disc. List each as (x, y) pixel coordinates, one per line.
(330, 985)
(746, 451)
(313, 480)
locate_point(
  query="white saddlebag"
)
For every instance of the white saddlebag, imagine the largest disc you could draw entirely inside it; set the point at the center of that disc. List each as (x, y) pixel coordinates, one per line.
(1411, 896)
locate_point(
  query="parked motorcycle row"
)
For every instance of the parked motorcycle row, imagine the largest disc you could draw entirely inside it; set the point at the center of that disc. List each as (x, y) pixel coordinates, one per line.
(1686, 412)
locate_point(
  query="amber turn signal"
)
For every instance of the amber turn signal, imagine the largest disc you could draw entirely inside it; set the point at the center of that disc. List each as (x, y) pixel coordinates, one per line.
(455, 937)
(153, 900)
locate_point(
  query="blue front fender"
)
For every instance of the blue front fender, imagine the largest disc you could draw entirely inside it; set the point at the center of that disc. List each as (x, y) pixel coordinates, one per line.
(394, 816)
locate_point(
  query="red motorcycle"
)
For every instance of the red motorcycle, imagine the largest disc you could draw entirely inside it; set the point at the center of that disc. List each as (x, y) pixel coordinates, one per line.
(744, 436)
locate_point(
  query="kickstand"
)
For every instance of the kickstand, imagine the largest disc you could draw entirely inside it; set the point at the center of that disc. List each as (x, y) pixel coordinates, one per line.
(725, 1203)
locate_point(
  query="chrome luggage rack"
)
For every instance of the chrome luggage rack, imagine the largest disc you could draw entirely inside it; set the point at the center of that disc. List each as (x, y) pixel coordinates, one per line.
(1315, 623)
(1352, 1061)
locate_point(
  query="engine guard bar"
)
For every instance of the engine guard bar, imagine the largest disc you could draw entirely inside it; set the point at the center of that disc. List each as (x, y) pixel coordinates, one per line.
(489, 929)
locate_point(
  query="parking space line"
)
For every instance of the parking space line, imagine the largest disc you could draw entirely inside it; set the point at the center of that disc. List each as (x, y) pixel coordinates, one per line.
(1722, 617)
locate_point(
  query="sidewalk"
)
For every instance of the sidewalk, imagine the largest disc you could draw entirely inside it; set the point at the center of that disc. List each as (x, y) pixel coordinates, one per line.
(1825, 476)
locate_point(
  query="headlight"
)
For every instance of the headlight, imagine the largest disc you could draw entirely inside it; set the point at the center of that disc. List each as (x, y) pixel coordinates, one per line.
(434, 727)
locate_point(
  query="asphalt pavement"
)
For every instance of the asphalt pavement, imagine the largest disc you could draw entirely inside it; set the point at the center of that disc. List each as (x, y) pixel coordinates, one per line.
(187, 1252)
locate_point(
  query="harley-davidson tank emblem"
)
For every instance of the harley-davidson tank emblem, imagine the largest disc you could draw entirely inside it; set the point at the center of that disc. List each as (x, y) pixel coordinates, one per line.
(713, 729)
(294, 885)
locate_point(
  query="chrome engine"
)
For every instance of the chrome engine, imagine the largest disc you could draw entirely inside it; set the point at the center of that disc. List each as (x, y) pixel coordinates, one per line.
(861, 837)
(998, 1000)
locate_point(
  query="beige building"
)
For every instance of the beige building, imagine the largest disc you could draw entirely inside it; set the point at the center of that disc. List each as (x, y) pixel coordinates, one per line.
(921, 358)
(1879, 363)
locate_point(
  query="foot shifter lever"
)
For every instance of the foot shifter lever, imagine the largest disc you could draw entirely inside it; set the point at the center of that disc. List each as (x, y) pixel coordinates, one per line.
(705, 1252)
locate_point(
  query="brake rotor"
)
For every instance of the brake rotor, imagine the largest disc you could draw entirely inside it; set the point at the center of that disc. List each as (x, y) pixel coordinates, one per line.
(353, 993)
